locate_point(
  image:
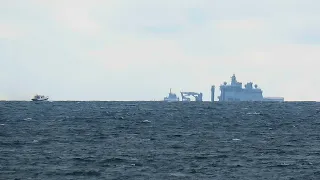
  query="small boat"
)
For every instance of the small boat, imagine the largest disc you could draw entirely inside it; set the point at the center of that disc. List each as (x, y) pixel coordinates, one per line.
(40, 98)
(172, 97)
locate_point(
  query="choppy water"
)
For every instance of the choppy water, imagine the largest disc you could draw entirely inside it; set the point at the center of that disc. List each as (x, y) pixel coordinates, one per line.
(157, 140)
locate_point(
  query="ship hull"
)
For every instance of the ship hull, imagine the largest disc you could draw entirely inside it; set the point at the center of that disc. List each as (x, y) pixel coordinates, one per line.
(40, 99)
(171, 100)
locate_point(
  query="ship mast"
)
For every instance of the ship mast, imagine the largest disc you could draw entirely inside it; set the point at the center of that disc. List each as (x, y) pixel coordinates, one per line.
(233, 80)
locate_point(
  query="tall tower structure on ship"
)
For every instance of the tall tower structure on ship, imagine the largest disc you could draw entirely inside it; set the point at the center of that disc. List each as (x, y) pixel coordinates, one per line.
(212, 93)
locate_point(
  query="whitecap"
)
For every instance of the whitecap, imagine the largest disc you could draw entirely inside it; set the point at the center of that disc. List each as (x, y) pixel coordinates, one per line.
(178, 174)
(254, 113)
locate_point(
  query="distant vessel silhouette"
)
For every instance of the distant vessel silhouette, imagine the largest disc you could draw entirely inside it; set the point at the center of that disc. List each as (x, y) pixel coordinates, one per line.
(172, 97)
(39, 98)
(235, 92)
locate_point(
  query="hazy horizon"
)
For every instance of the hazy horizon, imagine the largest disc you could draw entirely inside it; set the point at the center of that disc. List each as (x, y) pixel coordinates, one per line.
(138, 50)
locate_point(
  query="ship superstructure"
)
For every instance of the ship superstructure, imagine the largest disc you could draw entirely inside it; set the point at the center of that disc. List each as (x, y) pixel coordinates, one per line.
(235, 92)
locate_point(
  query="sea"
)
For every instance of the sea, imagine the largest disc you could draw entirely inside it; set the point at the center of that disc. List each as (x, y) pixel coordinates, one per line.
(159, 140)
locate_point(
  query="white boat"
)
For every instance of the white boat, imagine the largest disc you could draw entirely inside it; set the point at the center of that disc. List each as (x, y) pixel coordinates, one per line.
(172, 97)
(39, 98)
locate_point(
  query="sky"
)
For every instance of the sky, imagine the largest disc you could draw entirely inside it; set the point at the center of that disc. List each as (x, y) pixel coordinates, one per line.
(138, 50)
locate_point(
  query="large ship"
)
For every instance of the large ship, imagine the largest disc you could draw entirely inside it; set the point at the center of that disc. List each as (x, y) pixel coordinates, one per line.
(172, 97)
(40, 98)
(235, 92)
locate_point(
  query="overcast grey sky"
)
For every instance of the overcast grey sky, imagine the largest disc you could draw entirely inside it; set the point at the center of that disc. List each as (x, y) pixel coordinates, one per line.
(138, 49)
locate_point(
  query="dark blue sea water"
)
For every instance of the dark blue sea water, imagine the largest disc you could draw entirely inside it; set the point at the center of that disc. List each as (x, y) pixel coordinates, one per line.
(158, 140)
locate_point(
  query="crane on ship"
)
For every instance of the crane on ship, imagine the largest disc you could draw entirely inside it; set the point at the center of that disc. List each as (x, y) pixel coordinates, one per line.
(186, 96)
